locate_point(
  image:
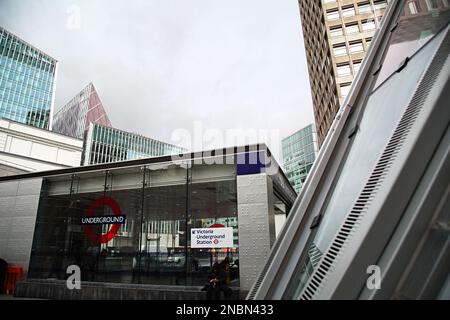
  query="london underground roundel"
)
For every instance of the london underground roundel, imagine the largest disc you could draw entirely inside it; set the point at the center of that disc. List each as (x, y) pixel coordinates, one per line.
(90, 233)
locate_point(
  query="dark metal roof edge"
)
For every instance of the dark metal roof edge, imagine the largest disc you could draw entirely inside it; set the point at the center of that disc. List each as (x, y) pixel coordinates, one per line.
(138, 162)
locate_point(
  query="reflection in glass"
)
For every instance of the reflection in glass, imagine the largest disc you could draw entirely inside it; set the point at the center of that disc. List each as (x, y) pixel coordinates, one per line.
(417, 25)
(213, 203)
(161, 202)
(164, 243)
(376, 126)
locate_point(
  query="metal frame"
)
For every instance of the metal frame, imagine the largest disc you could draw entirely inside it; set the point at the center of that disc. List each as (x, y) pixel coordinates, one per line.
(291, 248)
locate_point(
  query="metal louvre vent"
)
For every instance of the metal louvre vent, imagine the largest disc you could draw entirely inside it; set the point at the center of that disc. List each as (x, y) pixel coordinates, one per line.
(379, 172)
(314, 255)
(254, 289)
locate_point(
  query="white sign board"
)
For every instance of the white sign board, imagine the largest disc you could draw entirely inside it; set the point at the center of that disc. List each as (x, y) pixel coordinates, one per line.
(212, 237)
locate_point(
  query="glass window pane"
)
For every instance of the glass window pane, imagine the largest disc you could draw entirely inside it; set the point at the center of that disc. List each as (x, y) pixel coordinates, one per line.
(339, 51)
(356, 47)
(343, 70)
(164, 243)
(345, 88)
(364, 8)
(351, 28)
(213, 203)
(336, 32)
(356, 66)
(416, 26)
(332, 15)
(348, 12)
(376, 126)
(368, 25)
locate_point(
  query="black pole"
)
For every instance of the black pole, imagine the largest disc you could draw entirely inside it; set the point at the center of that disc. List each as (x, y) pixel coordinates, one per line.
(188, 180)
(142, 221)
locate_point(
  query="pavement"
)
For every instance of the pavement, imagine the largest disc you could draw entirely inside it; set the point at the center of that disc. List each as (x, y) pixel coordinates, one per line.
(11, 297)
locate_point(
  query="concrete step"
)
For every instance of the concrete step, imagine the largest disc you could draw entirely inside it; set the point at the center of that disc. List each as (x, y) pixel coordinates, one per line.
(57, 289)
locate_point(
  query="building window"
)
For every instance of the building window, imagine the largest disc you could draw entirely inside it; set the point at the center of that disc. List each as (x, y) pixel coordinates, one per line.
(368, 40)
(356, 47)
(368, 25)
(356, 66)
(351, 28)
(332, 15)
(364, 8)
(343, 70)
(348, 12)
(336, 32)
(379, 5)
(345, 88)
(412, 7)
(339, 50)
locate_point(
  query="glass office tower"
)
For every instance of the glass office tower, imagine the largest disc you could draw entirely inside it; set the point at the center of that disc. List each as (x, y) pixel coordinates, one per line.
(27, 82)
(299, 152)
(106, 144)
(74, 118)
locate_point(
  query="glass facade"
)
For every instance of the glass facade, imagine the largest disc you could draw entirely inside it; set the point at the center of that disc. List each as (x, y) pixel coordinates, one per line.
(419, 22)
(375, 128)
(27, 81)
(106, 144)
(376, 200)
(161, 203)
(74, 118)
(299, 152)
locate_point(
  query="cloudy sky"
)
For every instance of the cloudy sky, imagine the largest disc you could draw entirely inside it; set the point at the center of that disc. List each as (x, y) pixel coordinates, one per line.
(204, 70)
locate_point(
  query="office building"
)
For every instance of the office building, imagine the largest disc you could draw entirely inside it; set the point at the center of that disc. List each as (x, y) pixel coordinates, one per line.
(337, 35)
(373, 221)
(299, 151)
(25, 148)
(27, 82)
(106, 144)
(73, 119)
(164, 205)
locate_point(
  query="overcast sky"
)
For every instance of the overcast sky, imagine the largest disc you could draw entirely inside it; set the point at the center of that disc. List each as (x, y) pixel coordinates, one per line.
(164, 67)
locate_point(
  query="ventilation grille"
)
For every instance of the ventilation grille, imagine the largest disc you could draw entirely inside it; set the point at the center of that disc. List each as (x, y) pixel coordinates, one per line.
(380, 171)
(314, 255)
(254, 289)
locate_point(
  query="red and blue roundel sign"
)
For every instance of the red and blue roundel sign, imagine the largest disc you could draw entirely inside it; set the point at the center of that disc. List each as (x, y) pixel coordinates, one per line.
(217, 225)
(89, 219)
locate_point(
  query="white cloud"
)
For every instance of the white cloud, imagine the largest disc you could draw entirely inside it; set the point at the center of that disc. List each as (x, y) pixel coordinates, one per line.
(162, 65)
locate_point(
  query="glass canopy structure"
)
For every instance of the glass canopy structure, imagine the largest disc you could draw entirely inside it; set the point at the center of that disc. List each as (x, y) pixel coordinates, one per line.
(378, 195)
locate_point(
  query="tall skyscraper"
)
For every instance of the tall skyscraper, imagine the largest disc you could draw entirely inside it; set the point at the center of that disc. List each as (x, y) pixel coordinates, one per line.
(105, 144)
(74, 118)
(27, 82)
(337, 35)
(299, 152)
